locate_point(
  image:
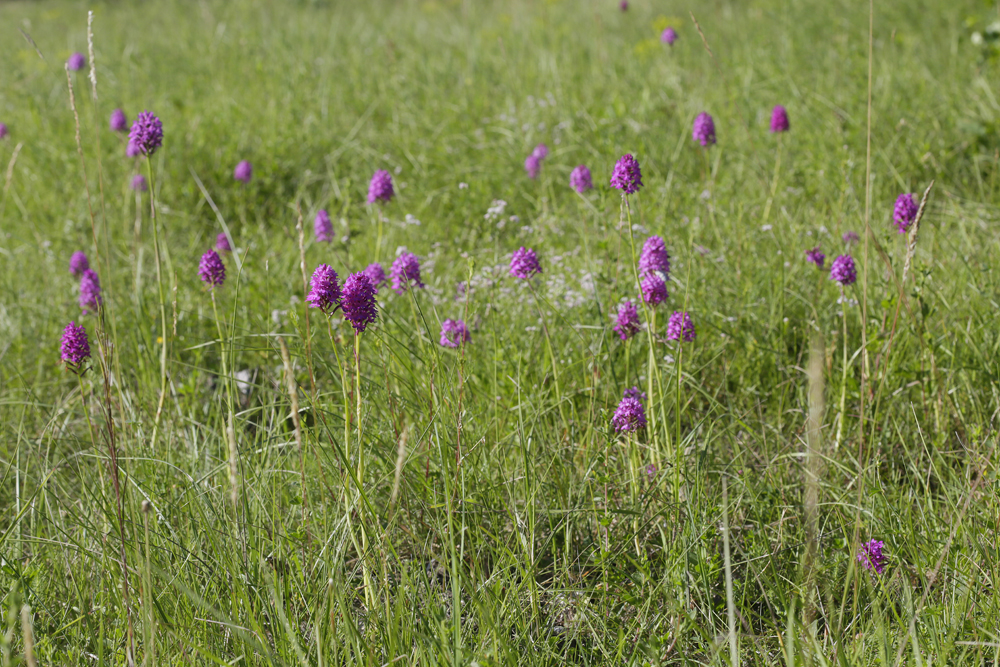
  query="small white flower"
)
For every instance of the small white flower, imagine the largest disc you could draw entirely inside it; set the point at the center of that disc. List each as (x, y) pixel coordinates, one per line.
(765, 228)
(463, 186)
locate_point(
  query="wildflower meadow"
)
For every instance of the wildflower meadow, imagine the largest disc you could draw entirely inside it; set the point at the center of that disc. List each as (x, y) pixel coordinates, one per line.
(466, 332)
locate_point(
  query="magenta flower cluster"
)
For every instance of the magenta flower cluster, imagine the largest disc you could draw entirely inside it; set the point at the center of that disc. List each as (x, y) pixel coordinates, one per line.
(322, 227)
(533, 163)
(872, 557)
(904, 212)
(357, 301)
(704, 129)
(842, 270)
(146, 134)
(78, 263)
(627, 176)
(243, 171)
(669, 36)
(118, 121)
(211, 270)
(627, 322)
(380, 187)
(324, 290)
(3, 131)
(90, 291)
(654, 289)
(405, 273)
(76, 62)
(376, 274)
(222, 243)
(654, 258)
(580, 180)
(74, 347)
(629, 416)
(779, 119)
(454, 333)
(524, 263)
(680, 327)
(138, 183)
(815, 256)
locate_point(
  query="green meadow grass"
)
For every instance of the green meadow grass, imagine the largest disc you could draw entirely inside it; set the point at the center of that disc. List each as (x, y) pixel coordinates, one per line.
(482, 510)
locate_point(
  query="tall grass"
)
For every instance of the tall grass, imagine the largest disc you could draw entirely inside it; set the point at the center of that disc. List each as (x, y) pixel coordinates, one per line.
(269, 489)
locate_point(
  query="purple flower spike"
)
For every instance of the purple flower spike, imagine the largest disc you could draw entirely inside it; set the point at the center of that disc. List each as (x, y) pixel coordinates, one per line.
(704, 129)
(358, 301)
(138, 183)
(872, 557)
(541, 151)
(90, 291)
(243, 172)
(74, 348)
(850, 237)
(222, 243)
(669, 36)
(146, 133)
(376, 274)
(454, 333)
(324, 290)
(3, 131)
(211, 270)
(627, 322)
(654, 289)
(132, 150)
(405, 272)
(322, 227)
(76, 62)
(905, 212)
(580, 179)
(654, 258)
(630, 416)
(627, 176)
(816, 257)
(78, 263)
(680, 327)
(380, 188)
(636, 393)
(623, 5)
(532, 165)
(118, 122)
(779, 119)
(524, 263)
(842, 270)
